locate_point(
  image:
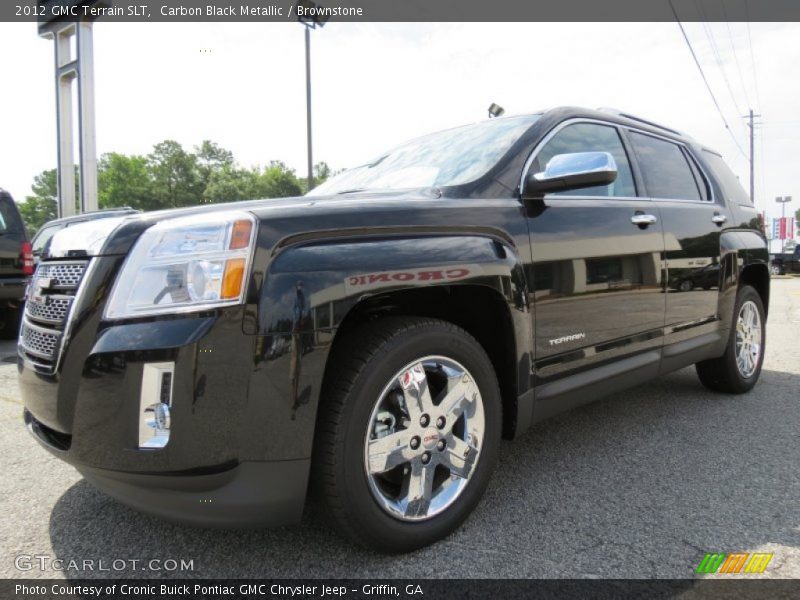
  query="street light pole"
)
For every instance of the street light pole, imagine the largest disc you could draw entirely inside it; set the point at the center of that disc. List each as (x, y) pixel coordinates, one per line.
(308, 108)
(318, 20)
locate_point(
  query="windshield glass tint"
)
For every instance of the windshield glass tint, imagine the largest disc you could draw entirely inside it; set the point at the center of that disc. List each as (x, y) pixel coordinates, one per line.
(45, 235)
(451, 157)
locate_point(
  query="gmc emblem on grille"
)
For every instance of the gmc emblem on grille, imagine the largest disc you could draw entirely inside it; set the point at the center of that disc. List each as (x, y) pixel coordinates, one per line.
(37, 290)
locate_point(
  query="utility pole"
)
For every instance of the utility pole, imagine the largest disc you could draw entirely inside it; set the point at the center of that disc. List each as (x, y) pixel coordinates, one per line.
(752, 125)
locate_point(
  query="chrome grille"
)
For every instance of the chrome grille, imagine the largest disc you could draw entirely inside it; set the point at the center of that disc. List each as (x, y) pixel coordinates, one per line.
(53, 309)
(39, 342)
(50, 297)
(62, 275)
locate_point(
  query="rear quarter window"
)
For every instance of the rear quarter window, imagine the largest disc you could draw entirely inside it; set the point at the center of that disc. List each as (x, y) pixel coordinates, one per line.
(733, 190)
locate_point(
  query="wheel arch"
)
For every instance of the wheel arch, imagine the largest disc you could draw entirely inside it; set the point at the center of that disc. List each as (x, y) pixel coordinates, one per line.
(481, 311)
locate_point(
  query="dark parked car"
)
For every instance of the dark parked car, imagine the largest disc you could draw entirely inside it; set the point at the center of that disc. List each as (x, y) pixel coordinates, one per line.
(46, 232)
(16, 265)
(703, 277)
(377, 338)
(785, 262)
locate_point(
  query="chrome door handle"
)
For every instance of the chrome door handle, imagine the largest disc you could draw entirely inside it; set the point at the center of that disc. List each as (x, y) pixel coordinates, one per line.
(643, 220)
(718, 219)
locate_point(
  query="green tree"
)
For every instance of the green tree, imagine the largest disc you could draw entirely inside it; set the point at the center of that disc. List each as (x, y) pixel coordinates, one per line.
(228, 184)
(125, 181)
(212, 158)
(42, 206)
(275, 181)
(175, 175)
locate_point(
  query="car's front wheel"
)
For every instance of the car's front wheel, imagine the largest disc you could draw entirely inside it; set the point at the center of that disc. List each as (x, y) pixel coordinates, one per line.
(409, 431)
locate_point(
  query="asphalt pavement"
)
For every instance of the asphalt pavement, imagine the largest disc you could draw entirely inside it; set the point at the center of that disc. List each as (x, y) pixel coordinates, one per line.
(638, 485)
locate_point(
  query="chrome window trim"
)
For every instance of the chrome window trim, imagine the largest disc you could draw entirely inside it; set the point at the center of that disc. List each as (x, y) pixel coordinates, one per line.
(617, 126)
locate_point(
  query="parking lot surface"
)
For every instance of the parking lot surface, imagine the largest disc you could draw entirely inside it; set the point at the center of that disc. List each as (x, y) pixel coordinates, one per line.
(638, 485)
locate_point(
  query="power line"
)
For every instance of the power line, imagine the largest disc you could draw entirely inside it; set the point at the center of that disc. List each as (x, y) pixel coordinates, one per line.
(705, 80)
(752, 54)
(717, 58)
(735, 55)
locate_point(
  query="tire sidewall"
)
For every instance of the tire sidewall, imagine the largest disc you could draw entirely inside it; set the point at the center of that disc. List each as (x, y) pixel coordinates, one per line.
(401, 350)
(746, 293)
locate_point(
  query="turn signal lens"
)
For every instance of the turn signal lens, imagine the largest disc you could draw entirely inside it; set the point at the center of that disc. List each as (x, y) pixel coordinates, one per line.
(240, 235)
(232, 280)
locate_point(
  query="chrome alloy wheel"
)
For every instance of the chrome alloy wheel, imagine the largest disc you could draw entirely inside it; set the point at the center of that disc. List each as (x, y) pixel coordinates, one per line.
(748, 339)
(424, 438)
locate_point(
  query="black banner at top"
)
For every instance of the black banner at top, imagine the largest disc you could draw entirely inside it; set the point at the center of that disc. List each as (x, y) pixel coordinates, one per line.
(312, 11)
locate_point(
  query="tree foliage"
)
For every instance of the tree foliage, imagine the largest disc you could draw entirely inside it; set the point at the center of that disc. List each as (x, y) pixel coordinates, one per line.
(170, 177)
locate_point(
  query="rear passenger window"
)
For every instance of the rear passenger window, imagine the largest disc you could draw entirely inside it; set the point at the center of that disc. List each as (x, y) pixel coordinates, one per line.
(666, 170)
(590, 137)
(9, 221)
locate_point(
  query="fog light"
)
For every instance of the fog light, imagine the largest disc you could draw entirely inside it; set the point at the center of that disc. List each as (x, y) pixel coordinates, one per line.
(155, 404)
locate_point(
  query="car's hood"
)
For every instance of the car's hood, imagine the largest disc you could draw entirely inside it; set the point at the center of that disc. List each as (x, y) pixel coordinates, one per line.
(114, 236)
(81, 239)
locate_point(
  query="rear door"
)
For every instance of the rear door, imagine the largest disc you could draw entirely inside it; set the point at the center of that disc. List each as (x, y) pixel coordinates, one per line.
(596, 276)
(693, 221)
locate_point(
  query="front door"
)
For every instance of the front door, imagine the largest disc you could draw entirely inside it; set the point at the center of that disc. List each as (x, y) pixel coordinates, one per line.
(597, 262)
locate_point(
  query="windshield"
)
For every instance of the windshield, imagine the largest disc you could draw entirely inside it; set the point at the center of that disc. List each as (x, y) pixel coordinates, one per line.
(40, 239)
(451, 157)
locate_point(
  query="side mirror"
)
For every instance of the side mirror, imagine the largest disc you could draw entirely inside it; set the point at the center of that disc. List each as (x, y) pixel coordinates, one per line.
(572, 172)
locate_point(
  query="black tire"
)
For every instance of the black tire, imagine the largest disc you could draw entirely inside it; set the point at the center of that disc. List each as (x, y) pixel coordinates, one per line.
(687, 285)
(9, 323)
(363, 363)
(722, 374)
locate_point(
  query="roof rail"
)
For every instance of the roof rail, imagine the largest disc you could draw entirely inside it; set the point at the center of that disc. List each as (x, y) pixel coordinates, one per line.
(621, 113)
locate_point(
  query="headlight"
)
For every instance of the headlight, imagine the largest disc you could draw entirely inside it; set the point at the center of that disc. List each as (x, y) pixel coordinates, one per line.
(185, 264)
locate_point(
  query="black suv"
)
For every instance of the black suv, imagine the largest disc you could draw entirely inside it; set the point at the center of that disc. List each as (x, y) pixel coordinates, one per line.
(378, 337)
(16, 265)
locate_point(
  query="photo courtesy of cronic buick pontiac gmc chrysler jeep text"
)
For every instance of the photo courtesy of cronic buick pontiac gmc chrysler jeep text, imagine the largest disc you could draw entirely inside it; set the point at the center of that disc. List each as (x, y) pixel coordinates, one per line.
(373, 341)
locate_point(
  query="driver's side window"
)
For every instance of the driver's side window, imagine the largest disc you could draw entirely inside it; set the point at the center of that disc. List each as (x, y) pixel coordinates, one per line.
(590, 137)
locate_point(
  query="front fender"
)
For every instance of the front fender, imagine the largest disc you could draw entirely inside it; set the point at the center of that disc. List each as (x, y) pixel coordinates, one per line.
(327, 280)
(309, 289)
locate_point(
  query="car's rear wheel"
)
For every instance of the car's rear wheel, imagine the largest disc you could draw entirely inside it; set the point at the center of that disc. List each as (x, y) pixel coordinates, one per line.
(686, 285)
(409, 431)
(737, 370)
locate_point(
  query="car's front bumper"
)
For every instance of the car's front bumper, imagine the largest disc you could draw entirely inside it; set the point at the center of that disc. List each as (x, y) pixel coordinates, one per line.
(240, 443)
(263, 493)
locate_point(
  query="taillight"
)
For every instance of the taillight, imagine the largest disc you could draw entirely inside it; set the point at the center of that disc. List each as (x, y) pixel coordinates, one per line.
(27, 258)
